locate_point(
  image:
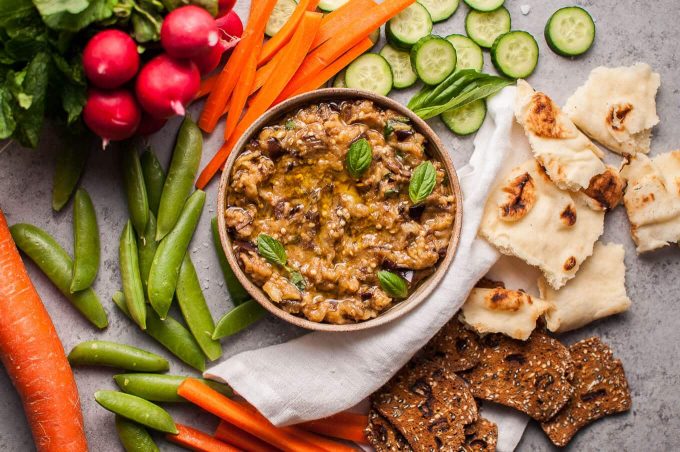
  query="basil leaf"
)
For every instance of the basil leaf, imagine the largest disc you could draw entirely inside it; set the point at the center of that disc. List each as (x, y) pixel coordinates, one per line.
(394, 285)
(468, 95)
(271, 249)
(359, 157)
(423, 180)
(298, 280)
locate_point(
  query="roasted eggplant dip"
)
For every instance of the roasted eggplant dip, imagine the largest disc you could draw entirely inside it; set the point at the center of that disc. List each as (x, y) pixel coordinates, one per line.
(338, 212)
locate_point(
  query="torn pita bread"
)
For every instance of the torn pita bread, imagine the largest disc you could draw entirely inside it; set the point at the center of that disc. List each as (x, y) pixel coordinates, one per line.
(617, 107)
(597, 291)
(568, 156)
(511, 312)
(527, 216)
(652, 200)
(605, 190)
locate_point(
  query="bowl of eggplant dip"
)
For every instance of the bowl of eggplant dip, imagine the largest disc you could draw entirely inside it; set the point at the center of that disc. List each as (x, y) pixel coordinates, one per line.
(339, 210)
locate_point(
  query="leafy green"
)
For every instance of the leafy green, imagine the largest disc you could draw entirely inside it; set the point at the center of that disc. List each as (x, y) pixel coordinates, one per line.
(7, 122)
(210, 5)
(394, 285)
(97, 10)
(146, 26)
(298, 280)
(423, 180)
(34, 84)
(271, 249)
(359, 157)
(48, 7)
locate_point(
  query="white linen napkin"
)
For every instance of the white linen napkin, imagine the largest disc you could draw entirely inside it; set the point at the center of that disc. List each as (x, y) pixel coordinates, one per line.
(320, 374)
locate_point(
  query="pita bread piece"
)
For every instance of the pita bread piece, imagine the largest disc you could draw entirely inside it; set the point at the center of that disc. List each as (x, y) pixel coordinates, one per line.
(598, 291)
(481, 436)
(652, 200)
(617, 107)
(601, 389)
(605, 190)
(383, 436)
(511, 312)
(527, 216)
(454, 347)
(568, 156)
(530, 376)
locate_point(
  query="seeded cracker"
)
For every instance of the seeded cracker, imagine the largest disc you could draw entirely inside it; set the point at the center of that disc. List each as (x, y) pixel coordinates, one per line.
(481, 436)
(454, 347)
(429, 407)
(531, 376)
(601, 389)
(383, 436)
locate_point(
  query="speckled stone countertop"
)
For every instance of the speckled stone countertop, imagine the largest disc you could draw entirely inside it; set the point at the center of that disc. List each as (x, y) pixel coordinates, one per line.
(646, 338)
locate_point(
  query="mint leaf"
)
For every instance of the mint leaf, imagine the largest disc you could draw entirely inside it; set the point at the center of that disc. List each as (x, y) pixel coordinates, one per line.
(271, 249)
(359, 157)
(298, 280)
(394, 285)
(423, 180)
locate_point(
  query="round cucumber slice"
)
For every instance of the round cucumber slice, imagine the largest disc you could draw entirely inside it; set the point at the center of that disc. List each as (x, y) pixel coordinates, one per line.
(339, 80)
(369, 72)
(484, 5)
(468, 54)
(375, 36)
(465, 120)
(407, 27)
(570, 31)
(403, 75)
(440, 10)
(331, 5)
(280, 15)
(484, 28)
(515, 54)
(433, 58)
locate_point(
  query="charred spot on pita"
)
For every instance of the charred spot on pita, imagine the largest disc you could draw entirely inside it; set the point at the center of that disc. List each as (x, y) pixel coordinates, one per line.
(606, 189)
(522, 196)
(542, 117)
(617, 116)
(568, 215)
(570, 263)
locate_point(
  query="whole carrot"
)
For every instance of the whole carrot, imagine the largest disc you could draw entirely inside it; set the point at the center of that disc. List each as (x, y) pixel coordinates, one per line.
(34, 358)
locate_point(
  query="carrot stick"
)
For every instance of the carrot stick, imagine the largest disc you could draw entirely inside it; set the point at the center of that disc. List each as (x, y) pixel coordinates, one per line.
(342, 425)
(232, 435)
(34, 357)
(243, 418)
(327, 444)
(341, 19)
(280, 39)
(207, 85)
(241, 92)
(196, 440)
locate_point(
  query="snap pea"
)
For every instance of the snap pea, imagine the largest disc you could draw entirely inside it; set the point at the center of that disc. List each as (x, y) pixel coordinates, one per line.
(195, 310)
(168, 259)
(58, 267)
(129, 273)
(170, 334)
(183, 167)
(85, 242)
(146, 248)
(236, 290)
(161, 388)
(238, 319)
(135, 189)
(112, 354)
(134, 437)
(154, 178)
(136, 409)
(70, 165)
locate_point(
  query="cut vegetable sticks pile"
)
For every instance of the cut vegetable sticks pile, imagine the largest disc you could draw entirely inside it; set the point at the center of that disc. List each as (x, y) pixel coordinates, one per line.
(308, 51)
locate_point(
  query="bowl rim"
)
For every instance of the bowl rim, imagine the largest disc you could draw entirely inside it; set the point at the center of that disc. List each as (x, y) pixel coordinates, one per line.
(434, 143)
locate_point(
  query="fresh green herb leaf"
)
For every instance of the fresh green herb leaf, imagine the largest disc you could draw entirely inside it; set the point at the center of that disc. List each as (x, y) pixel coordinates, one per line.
(96, 11)
(146, 26)
(298, 280)
(359, 157)
(423, 180)
(7, 123)
(472, 92)
(48, 7)
(290, 124)
(271, 249)
(34, 84)
(394, 285)
(388, 130)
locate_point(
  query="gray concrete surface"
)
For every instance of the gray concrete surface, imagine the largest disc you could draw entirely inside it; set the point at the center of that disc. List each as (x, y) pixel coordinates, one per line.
(646, 338)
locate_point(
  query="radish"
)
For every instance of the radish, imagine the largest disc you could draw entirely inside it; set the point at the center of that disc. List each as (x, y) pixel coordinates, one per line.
(224, 6)
(230, 25)
(112, 115)
(189, 31)
(110, 59)
(165, 86)
(207, 63)
(150, 125)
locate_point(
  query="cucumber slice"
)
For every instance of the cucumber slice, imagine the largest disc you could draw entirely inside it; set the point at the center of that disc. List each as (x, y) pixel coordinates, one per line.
(339, 80)
(484, 5)
(468, 54)
(280, 15)
(407, 27)
(484, 28)
(440, 9)
(331, 5)
(433, 58)
(515, 54)
(370, 72)
(465, 120)
(570, 31)
(400, 61)
(375, 36)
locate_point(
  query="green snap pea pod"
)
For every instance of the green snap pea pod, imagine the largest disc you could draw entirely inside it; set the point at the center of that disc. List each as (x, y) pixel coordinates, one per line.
(161, 388)
(239, 318)
(85, 242)
(154, 178)
(236, 290)
(129, 273)
(134, 437)
(183, 167)
(136, 409)
(195, 310)
(58, 267)
(170, 253)
(70, 165)
(170, 334)
(135, 189)
(146, 248)
(121, 356)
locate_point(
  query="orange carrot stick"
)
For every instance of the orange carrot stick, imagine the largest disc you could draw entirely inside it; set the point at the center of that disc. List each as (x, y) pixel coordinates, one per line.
(243, 418)
(232, 435)
(327, 444)
(341, 19)
(207, 85)
(241, 91)
(198, 441)
(280, 39)
(34, 358)
(342, 425)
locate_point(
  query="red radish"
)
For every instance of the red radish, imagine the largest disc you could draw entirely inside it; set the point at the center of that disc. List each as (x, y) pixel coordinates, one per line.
(113, 115)
(189, 31)
(207, 63)
(224, 6)
(230, 25)
(110, 59)
(165, 86)
(150, 125)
